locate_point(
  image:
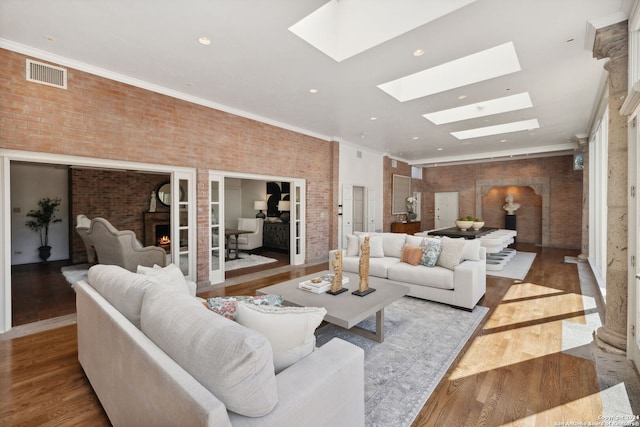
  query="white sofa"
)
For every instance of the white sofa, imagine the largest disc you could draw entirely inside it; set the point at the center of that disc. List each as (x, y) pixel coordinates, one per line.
(460, 286)
(248, 241)
(156, 356)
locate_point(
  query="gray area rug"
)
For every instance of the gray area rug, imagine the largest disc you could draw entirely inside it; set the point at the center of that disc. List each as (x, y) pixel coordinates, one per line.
(422, 339)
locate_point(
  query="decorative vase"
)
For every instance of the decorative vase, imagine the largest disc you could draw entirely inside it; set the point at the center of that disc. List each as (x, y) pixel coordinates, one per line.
(44, 252)
(464, 225)
(477, 225)
(411, 216)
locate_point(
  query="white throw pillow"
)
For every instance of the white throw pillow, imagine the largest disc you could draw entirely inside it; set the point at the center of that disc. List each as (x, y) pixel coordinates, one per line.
(290, 330)
(415, 240)
(353, 248)
(376, 248)
(471, 250)
(170, 275)
(451, 252)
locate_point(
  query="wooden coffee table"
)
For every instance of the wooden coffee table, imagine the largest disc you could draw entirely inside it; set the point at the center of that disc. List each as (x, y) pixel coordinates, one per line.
(345, 310)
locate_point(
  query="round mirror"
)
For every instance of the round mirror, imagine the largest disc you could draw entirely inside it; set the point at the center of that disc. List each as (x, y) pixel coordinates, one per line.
(163, 193)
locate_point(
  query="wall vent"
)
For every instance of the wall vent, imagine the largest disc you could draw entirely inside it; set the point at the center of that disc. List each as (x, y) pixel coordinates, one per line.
(359, 154)
(46, 74)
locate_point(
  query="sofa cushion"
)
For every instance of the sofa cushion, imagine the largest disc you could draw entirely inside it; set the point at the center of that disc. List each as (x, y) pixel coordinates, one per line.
(233, 362)
(451, 252)
(353, 245)
(393, 243)
(431, 252)
(290, 330)
(170, 275)
(377, 266)
(471, 250)
(376, 249)
(122, 288)
(411, 254)
(433, 277)
(415, 240)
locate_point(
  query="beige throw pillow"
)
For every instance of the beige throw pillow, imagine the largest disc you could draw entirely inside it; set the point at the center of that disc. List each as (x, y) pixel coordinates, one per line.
(451, 252)
(411, 254)
(290, 330)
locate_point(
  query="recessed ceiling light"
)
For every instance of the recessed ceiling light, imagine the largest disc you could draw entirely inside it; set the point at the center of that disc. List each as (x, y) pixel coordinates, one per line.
(313, 90)
(418, 52)
(439, 149)
(503, 140)
(50, 39)
(462, 97)
(414, 138)
(205, 41)
(373, 118)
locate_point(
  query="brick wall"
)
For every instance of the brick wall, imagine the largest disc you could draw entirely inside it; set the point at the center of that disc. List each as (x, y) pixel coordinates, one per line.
(99, 118)
(565, 196)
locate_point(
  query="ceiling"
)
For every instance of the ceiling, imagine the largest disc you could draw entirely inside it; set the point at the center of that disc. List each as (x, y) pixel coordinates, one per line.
(255, 66)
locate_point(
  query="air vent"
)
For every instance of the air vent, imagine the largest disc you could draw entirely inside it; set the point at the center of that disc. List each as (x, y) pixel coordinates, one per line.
(46, 74)
(359, 154)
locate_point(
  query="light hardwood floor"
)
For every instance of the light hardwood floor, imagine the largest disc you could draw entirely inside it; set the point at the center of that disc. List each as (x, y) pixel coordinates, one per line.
(511, 372)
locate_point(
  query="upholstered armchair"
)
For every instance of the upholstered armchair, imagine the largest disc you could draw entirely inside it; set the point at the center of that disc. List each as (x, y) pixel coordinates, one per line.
(120, 247)
(251, 240)
(83, 223)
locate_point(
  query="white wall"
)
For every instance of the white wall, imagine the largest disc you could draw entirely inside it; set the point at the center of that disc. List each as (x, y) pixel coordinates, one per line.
(362, 168)
(30, 183)
(252, 190)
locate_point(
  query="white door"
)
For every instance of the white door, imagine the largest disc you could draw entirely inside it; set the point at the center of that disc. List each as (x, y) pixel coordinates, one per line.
(634, 219)
(446, 209)
(216, 231)
(347, 213)
(358, 209)
(183, 221)
(297, 253)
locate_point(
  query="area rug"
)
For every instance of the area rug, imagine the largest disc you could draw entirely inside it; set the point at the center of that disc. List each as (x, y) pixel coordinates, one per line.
(75, 273)
(247, 260)
(517, 268)
(422, 339)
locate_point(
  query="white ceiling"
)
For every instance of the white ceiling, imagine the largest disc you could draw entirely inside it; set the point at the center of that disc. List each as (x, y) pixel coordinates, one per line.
(258, 68)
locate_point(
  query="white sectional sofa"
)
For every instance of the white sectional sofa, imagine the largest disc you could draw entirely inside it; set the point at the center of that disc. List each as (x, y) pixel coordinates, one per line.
(156, 356)
(461, 285)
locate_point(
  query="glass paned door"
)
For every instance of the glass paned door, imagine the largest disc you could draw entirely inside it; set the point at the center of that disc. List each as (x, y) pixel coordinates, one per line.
(298, 254)
(216, 236)
(183, 223)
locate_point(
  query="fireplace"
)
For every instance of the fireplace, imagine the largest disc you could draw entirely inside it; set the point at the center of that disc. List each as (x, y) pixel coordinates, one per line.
(157, 227)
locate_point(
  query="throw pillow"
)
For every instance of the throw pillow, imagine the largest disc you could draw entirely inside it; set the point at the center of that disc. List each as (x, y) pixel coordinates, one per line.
(353, 248)
(228, 306)
(170, 275)
(411, 254)
(376, 249)
(471, 250)
(290, 330)
(431, 251)
(451, 252)
(415, 240)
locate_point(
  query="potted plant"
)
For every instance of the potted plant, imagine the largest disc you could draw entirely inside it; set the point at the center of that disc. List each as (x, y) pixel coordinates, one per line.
(41, 219)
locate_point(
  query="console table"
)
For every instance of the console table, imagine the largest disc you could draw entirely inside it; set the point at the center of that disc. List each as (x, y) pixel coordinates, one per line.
(405, 227)
(276, 235)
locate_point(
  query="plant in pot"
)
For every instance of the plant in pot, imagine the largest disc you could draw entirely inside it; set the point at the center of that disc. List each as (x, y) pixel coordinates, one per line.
(40, 221)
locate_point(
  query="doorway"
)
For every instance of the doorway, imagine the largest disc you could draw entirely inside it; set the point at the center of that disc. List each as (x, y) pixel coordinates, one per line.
(359, 209)
(446, 209)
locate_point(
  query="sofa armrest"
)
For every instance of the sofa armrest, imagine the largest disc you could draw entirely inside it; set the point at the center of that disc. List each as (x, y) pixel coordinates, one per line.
(325, 388)
(469, 274)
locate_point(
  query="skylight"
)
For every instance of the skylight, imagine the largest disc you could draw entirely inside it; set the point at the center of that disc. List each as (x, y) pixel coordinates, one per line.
(481, 109)
(487, 64)
(497, 129)
(344, 28)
